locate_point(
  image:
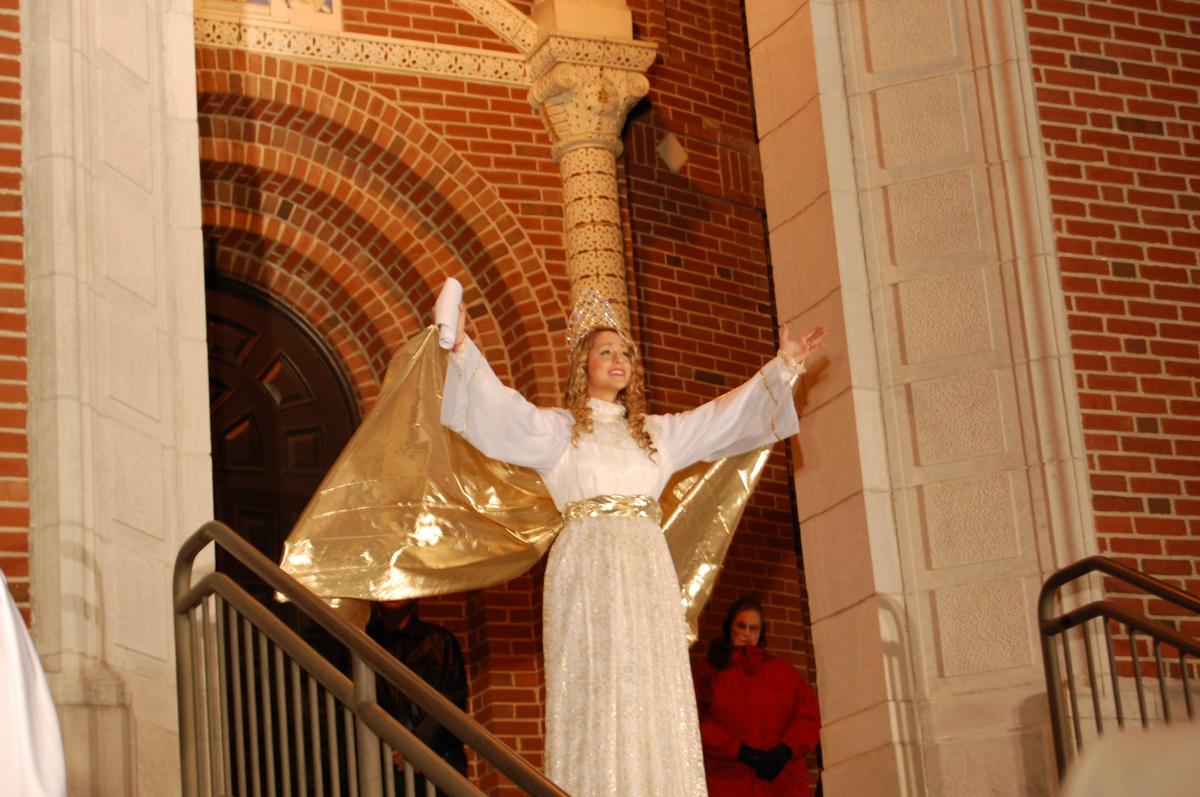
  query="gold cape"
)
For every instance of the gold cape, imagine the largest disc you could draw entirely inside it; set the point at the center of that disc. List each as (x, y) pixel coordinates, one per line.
(411, 509)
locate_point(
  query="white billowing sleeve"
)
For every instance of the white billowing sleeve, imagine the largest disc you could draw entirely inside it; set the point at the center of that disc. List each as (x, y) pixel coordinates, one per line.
(758, 412)
(498, 420)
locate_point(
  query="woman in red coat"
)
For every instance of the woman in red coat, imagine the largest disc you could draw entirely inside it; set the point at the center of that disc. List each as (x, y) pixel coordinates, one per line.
(758, 717)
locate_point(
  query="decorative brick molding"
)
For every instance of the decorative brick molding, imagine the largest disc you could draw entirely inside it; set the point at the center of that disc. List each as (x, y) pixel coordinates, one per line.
(405, 55)
(499, 15)
(375, 52)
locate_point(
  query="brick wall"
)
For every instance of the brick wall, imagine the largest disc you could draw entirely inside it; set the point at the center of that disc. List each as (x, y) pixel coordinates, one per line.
(706, 311)
(703, 283)
(14, 465)
(347, 192)
(439, 22)
(704, 289)
(1117, 91)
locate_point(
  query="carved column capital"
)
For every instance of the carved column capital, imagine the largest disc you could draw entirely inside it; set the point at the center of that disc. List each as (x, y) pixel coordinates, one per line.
(584, 87)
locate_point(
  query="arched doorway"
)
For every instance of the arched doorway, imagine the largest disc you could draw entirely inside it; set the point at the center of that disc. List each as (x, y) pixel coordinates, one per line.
(281, 411)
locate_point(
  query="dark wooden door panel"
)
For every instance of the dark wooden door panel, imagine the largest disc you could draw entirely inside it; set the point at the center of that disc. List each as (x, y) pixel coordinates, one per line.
(281, 411)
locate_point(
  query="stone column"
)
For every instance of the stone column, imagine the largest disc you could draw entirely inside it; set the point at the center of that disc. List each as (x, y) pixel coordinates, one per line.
(583, 88)
(941, 467)
(118, 388)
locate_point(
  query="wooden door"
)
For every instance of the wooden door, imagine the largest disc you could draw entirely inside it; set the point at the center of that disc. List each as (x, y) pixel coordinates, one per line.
(281, 412)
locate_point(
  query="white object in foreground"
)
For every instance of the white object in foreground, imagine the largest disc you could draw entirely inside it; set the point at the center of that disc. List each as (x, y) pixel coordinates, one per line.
(445, 312)
(31, 748)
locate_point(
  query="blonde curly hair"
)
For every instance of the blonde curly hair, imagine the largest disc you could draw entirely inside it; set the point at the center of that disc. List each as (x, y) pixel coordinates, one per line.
(632, 396)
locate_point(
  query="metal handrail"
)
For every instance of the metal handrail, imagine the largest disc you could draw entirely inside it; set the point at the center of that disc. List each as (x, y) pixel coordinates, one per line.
(1115, 611)
(1103, 564)
(328, 676)
(368, 658)
(1052, 624)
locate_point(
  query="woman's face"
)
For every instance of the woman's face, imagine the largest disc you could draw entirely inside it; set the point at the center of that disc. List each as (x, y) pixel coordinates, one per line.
(610, 366)
(746, 628)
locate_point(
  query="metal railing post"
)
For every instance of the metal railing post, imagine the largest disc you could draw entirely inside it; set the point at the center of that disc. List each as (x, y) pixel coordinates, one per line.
(241, 621)
(184, 676)
(1054, 624)
(1058, 709)
(370, 781)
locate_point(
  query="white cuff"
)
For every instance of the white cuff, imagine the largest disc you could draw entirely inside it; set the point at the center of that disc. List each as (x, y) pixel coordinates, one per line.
(791, 367)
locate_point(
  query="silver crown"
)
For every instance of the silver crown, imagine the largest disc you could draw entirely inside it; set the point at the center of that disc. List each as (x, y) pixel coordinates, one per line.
(592, 311)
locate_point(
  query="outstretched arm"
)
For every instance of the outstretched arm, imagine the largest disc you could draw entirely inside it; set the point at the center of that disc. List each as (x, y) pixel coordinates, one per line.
(496, 419)
(754, 414)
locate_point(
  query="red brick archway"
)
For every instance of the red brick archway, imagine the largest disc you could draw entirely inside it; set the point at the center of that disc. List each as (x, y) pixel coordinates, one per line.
(332, 198)
(380, 209)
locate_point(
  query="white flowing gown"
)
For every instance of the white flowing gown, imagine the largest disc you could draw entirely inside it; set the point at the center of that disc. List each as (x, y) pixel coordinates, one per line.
(620, 707)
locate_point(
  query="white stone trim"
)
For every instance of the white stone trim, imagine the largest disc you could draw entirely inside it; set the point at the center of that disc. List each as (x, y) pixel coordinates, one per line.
(634, 56)
(120, 472)
(308, 14)
(505, 20)
(375, 52)
(422, 58)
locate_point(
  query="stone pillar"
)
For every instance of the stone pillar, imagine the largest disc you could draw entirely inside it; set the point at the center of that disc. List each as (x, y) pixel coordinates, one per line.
(118, 397)
(583, 88)
(940, 468)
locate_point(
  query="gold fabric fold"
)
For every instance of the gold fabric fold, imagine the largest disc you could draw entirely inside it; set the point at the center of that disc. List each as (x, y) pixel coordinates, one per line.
(702, 506)
(410, 509)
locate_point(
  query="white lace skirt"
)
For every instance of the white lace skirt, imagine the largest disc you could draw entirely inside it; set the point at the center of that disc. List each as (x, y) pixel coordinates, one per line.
(620, 707)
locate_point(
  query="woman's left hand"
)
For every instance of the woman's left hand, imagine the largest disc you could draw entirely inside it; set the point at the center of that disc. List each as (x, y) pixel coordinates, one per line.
(797, 349)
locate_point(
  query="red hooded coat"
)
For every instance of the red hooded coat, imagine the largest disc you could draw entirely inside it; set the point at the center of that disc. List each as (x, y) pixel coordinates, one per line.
(760, 700)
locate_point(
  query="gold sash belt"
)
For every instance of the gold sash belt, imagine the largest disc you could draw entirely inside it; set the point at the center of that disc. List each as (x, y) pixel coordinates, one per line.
(620, 505)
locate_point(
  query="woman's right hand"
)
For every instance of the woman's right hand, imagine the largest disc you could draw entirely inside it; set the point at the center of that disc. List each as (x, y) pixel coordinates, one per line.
(797, 349)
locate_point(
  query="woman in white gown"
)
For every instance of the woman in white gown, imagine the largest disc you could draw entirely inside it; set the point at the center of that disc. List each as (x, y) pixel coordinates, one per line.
(620, 708)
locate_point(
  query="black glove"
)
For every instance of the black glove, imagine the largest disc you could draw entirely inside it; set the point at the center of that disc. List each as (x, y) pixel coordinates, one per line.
(751, 756)
(773, 762)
